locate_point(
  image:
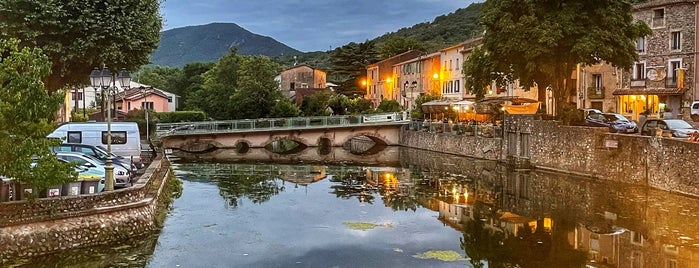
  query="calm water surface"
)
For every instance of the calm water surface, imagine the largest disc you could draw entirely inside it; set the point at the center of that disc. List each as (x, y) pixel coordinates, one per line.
(433, 210)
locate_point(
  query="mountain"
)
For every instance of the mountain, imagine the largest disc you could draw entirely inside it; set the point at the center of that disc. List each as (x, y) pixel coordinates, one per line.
(443, 31)
(207, 43)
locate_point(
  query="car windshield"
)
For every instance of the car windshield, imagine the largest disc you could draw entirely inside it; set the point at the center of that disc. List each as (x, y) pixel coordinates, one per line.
(677, 124)
(104, 150)
(615, 117)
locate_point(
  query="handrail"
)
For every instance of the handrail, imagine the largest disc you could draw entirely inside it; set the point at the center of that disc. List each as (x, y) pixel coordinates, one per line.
(265, 124)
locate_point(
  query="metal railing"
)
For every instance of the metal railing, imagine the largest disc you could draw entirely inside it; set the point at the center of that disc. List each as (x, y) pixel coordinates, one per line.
(266, 124)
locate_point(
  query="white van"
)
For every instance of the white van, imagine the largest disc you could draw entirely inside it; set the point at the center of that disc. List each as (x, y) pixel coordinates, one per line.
(126, 140)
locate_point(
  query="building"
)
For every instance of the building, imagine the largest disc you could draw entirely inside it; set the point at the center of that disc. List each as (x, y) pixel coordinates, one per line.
(381, 80)
(663, 81)
(301, 76)
(596, 85)
(91, 98)
(417, 77)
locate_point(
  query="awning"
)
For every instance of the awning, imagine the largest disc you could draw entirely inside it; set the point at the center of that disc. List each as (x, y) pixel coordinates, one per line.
(528, 108)
(649, 91)
(436, 106)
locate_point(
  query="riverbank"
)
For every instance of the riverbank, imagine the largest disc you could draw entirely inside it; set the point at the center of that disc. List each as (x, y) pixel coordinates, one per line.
(50, 225)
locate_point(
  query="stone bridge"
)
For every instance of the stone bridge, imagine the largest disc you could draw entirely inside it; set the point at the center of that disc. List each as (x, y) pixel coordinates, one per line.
(357, 134)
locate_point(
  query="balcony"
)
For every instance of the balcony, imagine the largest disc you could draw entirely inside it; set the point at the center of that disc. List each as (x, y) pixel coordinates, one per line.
(595, 92)
(638, 83)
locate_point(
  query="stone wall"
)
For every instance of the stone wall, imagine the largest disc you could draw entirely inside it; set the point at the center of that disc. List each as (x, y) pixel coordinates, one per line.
(52, 224)
(662, 163)
(472, 146)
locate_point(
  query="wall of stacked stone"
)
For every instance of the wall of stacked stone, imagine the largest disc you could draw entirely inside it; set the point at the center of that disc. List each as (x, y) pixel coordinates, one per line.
(662, 163)
(79, 221)
(471, 146)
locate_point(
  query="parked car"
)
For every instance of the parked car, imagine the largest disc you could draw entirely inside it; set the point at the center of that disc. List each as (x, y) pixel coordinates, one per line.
(676, 128)
(122, 176)
(615, 122)
(96, 151)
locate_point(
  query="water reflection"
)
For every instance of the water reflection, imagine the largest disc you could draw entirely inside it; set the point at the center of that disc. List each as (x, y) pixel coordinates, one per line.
(286, 215)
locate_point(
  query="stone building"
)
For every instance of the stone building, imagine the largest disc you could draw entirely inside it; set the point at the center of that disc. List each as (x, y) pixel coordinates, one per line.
(301, 76)
(662, 82)
(416, 77)
(381, 81)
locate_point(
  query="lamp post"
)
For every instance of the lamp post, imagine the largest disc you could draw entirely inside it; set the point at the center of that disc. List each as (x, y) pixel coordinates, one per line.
(107, 82)
(144, 90)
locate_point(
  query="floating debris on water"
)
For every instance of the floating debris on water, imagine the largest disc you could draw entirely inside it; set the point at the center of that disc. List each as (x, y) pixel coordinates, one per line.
(443, 255)
(363, 226)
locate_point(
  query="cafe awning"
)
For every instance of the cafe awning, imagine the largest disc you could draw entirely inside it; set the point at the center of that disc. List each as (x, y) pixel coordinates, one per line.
(436, 106)
(527, 108)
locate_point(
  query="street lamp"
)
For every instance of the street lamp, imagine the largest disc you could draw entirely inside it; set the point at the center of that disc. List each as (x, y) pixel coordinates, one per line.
(107, 82)
(144, 90)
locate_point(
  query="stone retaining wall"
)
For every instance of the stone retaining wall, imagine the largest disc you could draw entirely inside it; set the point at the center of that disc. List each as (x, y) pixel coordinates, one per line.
(663, 163)
(52, 224)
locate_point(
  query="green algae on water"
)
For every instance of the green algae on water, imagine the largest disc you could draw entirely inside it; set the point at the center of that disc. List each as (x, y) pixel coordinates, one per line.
(443, 255)
(363, 226)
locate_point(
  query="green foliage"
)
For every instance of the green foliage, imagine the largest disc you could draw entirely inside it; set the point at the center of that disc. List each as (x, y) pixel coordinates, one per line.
(189, 82)
(77, 116)
(387, 106)
(396, 44)
(417, 112)
(316, 104)
(257, 91)
(181, 116)
(220, 83)
(139, 116)
(284, 108)
(360, 105)
(339, 103)
(80, 35)
(542, 41)
(26, 116)
(160, 77)
(349, 66)
(479, 72)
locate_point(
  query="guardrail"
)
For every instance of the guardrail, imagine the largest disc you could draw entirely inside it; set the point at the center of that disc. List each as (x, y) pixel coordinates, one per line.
(265, 124)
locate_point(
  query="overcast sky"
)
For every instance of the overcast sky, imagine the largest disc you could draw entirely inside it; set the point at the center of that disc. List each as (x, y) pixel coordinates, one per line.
(310, 25)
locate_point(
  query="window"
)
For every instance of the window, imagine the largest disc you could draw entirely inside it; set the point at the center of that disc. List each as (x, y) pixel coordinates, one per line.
(658, 18)
(118, 137)
(450, 66)
(457, 64)
(639, 71)
(641, 45)
(598, 83)
(672, 72)
(637, 238)
(147, 105)
(76, 95)
(75, 137)
(458, 85)
(675, 40)
(169, 99)
(292, 86)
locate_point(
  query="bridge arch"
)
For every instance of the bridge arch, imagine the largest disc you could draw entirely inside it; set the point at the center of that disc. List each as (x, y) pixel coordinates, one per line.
(286, 145)
(364, 143)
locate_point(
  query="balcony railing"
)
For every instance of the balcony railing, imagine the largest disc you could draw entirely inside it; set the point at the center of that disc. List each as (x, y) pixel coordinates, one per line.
(595, 92)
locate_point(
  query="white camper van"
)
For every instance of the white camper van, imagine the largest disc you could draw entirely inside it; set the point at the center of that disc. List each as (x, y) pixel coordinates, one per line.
(126, 140)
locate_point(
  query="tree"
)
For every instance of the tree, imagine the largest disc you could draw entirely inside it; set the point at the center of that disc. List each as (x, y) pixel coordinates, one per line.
(417, 112)
(26, 114)
(257, 90)
(349, 65)
(339, 103)
(220, 83)
(395, 45)
(541, 42)
(189, 83)
(79, 35)
(284, 108)
(360, 105)
(387, 106)
(316, 104)
(160, 77)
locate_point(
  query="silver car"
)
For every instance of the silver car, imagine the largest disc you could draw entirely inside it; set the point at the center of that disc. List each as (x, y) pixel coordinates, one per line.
(122, 176)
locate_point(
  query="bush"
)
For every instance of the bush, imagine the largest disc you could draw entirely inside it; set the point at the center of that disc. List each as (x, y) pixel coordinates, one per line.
(181, 116)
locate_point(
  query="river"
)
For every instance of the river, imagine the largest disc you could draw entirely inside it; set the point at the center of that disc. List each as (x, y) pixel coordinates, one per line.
(430, 210)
